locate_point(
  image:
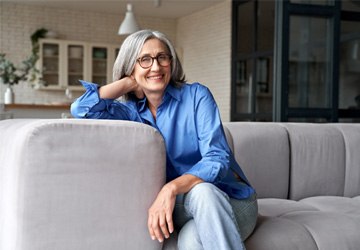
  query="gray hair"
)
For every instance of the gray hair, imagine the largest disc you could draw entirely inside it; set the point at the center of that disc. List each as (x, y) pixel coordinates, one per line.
(131, 48)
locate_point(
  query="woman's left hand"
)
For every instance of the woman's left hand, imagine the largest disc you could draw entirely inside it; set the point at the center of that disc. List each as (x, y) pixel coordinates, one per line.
(160, 222)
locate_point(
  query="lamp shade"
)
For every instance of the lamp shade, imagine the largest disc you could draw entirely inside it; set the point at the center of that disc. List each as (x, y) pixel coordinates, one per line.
(129, 25)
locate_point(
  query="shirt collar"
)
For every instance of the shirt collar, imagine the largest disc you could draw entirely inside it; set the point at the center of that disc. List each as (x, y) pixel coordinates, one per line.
(141, 104)
(173, 91)
(170, 91)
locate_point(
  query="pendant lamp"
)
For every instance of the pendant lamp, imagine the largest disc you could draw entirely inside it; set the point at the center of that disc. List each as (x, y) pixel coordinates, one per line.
(129, 25)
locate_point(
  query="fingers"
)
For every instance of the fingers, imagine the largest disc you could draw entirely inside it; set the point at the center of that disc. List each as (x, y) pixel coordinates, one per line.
(169, 221)
(150, 228)
(139, 93)
(160, 223)
(163, 226)
(155, 229)
(160, 226)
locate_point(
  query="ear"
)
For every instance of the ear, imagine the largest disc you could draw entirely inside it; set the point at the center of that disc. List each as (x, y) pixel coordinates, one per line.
(132, 76)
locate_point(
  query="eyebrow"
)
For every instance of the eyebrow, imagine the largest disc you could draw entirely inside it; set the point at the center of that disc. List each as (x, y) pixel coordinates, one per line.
(147, 54)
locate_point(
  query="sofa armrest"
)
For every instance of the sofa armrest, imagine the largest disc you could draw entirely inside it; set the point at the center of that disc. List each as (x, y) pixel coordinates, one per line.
(78, 184)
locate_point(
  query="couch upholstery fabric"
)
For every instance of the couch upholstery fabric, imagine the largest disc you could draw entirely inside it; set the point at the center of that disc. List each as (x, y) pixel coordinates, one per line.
(78, 184)
(87, 184)
(321, 207)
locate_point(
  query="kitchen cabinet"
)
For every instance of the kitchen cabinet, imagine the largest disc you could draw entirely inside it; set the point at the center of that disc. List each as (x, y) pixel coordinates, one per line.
(63, 63)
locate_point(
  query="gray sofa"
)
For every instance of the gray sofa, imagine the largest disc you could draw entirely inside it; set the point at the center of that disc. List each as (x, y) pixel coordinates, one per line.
(307, 177)
(68, 184)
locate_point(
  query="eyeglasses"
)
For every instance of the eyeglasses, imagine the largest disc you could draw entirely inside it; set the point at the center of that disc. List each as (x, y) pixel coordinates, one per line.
(147, 61)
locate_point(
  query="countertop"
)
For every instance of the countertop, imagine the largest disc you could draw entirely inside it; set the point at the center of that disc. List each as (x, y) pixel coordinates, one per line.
(37, 106)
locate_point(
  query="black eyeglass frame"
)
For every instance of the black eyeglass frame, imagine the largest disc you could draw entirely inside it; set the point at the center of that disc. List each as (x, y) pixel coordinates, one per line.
(157, 59)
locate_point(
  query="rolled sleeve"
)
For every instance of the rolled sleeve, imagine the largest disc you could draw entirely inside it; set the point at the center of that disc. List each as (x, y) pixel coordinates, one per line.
(81, 107)
(209, 170)
(90, 105)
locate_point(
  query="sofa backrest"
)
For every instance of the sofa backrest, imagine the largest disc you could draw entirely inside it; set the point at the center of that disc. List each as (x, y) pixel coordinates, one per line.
(317, 160)
(78, 184)
(262, 150)
(298, 160)
(351, 135)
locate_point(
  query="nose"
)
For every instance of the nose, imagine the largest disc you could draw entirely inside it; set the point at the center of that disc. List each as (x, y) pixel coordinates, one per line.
(155, 65)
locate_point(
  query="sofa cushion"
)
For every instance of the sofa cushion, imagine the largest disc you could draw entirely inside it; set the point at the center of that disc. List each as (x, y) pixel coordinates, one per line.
(351, 135)
(276, 233)
(323, 222)
(317, 160)
(262, 150)
(342, 205)
(277, 207)
(330, 230)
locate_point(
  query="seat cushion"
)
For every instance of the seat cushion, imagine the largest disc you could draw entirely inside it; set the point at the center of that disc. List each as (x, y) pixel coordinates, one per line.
(323, 222)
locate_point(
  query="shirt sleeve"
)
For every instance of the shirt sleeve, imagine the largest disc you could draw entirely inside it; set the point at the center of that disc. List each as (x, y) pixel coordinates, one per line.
(90, 105)
(215, 152)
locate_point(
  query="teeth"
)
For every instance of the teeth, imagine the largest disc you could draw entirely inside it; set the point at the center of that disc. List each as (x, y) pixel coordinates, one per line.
(155, 77)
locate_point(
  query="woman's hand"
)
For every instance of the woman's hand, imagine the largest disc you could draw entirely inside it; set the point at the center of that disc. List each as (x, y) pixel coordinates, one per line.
(139, 93)
(121, 87)
(160, 222)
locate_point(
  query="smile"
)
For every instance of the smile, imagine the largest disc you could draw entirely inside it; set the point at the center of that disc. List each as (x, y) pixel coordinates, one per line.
(155, 77)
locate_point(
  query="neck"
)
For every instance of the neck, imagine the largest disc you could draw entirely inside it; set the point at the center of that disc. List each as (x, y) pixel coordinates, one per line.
(154, 101)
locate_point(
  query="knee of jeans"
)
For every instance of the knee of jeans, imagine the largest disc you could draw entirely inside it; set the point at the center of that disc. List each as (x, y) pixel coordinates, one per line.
(188, 237)
(206, 192)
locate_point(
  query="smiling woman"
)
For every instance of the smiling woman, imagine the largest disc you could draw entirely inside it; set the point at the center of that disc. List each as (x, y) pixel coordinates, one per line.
(151, 75)
(204, 182)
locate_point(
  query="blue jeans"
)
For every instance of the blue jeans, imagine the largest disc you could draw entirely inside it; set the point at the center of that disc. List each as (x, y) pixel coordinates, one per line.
(208, 219)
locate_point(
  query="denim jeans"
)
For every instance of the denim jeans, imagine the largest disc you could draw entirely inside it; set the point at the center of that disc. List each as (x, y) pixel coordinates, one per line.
(208, 219)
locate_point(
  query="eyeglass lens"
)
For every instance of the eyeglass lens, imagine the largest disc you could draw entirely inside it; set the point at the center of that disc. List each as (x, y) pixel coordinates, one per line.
(147, 61)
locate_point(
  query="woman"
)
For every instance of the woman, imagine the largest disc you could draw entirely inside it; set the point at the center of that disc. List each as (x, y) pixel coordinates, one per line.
(206, 197)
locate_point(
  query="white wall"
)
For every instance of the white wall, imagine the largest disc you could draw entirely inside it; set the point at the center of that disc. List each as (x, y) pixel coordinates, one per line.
(204, 38)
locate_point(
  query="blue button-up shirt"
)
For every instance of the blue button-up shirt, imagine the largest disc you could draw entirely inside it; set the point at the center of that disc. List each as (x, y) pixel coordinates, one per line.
(189, 120)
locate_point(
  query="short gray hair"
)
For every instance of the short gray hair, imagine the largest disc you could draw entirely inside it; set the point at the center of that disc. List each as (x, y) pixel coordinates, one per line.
(130, 50)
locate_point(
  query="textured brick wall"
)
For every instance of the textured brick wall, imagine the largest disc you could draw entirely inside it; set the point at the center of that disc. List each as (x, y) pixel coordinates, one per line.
(205, 39)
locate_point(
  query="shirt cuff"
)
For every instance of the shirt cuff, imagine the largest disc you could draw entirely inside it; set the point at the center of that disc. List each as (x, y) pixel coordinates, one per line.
(89, 102)
(208, 171)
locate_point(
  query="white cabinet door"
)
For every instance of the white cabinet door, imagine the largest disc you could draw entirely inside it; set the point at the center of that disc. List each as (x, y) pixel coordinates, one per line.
(75, 64)
(50, 63)
(63, 63)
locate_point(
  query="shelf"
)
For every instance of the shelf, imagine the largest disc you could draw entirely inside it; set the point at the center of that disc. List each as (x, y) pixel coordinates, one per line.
(75, 73)
(37, 106)
(60, 88)
(99, 59)
(50, 73)
(51, 57)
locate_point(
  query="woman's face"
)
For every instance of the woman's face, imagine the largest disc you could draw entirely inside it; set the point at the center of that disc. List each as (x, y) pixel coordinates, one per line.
(154, 79)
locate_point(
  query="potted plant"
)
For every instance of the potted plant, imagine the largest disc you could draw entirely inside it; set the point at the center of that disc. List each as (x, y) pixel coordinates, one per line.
(11, 75)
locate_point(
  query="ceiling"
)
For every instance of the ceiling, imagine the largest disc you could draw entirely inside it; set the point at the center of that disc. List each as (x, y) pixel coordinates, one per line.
(148, 8)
